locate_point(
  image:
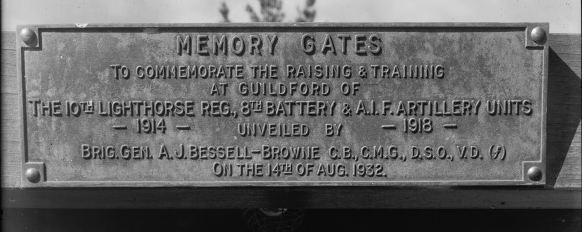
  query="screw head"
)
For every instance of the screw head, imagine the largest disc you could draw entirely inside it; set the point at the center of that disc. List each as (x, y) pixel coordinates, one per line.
(534, 174)
(33, 175)
(28, 36)
(538, 35)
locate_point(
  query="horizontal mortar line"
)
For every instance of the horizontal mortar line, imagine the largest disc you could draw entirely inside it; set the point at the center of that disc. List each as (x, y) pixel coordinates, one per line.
(119, 127)
(183, 127)
(450, 126)
(391, 126)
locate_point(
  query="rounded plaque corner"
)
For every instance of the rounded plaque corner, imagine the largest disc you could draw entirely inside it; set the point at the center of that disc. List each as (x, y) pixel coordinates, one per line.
(537, 36)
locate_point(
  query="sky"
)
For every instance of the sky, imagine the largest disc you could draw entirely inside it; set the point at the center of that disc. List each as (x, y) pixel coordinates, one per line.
(563, 15)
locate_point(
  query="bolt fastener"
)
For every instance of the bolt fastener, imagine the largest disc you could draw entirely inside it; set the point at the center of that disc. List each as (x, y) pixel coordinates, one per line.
(33, 175)
(28, 36)
(538, 35)
(534, 174)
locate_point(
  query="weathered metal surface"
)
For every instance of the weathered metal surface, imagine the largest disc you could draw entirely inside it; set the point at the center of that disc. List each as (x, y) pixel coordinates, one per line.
(407, 104)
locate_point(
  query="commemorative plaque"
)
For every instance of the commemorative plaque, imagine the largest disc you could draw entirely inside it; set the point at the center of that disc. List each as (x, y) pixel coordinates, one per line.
(283, 104)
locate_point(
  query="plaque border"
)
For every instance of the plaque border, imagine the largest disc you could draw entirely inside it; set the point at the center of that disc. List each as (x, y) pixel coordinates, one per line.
(36, 45)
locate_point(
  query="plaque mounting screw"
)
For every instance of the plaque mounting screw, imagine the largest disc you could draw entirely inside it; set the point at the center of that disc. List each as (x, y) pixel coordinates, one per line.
(33, 175)
(534, 174)
(538, 35)
(28, 36)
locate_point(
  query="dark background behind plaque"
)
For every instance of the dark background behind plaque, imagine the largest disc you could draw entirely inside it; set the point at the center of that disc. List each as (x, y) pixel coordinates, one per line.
(314, 220)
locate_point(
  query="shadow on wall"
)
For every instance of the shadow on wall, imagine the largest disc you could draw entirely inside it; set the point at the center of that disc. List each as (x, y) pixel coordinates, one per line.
(564, 113)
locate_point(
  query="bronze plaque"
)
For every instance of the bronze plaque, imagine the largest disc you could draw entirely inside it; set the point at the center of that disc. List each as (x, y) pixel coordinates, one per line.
(283, 104)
